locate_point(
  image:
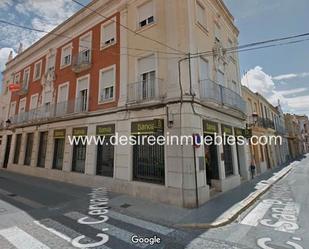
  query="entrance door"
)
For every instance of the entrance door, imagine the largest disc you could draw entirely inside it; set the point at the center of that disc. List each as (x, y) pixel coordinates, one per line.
(7, 151)
(228, 160)
(105, 159)
(211, 162)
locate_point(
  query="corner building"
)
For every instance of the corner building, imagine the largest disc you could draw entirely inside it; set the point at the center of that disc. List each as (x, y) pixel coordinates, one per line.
(98, 78)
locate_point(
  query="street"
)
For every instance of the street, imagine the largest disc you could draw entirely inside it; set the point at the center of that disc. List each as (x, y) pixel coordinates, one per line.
(277, 220)
(36, 213)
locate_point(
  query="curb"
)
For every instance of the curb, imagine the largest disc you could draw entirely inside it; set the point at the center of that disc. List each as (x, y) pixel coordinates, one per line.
(243, 205)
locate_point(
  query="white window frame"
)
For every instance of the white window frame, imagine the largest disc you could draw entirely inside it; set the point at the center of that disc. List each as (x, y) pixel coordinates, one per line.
(80, 49)
(62, 63)
(100, 101)
(67, 84)
(34, 70)
(47, 60)
(138, 15)
(10, 112)
(20, 101)
(29, 72)
(17, 76)
(103, 25)
(201, 23)
(31, 99)
(201, 58)
(88, 83)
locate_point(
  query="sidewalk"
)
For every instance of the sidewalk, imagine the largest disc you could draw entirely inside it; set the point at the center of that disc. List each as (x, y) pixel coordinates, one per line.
(216, 208)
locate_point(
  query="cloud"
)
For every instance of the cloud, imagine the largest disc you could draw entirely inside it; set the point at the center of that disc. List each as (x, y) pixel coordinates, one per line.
(259, 81)
(290, 76)
(5, 3)
(4, 54)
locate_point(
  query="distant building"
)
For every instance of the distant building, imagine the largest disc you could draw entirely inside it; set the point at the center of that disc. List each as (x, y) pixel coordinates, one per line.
(304, 129)
(294, 135)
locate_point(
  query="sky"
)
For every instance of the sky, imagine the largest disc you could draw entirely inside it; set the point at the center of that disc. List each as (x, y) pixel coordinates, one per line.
(278, 73)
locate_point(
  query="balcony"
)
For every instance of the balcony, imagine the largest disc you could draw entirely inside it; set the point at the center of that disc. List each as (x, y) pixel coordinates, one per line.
(81, 61)
(213, 92)
(51, 112)
(262, 123)
(144, 91)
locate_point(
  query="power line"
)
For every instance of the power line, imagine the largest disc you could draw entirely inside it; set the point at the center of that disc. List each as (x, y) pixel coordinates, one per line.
(129, 29)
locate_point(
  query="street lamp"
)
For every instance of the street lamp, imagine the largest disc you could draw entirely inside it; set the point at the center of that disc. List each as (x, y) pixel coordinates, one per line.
(255, 117)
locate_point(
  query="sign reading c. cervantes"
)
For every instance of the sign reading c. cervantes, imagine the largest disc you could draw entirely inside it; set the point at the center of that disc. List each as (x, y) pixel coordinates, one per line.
(80, 131)
(106, 130)
(59, 133)
(148, 127)
(210, 127)
(227, 130)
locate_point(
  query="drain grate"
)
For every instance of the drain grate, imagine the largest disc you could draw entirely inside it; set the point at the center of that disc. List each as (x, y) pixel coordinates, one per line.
(12, 195)
(125, 205)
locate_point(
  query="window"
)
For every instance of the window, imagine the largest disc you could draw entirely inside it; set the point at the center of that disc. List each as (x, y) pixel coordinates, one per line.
(26, 78)
(50, 63)
(58, 153)
(34, 101)
(200, 14)
(108, 34)
(146, 14)
(29, 145)
(66, 55)
(79, 151)
(107, 84)
(82, 94)
(22, 105)
(17, 78)
(204, 69)
(13, 109)
(37, 70)
(147, 74)
(220, 77)
(17, 148)
(217, 32)
(42, 149)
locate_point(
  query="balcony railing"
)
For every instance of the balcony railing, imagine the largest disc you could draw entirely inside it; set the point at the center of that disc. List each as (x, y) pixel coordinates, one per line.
(262, 122)
(81, 61)
(144, 91)
(50, 112)
(211, 91)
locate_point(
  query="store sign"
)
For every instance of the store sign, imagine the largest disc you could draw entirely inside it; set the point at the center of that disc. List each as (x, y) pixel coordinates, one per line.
(106, 130)
(80, 131)
(59, 133)
(227, 130)
(210, 127)
(148, 127)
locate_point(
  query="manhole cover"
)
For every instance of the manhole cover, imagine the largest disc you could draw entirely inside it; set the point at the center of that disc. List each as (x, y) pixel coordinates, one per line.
(125, 205)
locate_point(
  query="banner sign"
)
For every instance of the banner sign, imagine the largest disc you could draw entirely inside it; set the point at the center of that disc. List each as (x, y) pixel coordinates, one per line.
(80, 131)
(210, 127)
(106, 130)
(148, 127)
(59, 133)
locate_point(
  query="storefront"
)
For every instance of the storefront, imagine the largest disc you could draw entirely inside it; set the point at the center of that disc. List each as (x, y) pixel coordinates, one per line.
(105, 151)
(227, 150)
(42, 149)
(29, 146)
(59, 142)
(211, 151)
(17, 148)
(7, 151)
(148, 159)
(79, 150)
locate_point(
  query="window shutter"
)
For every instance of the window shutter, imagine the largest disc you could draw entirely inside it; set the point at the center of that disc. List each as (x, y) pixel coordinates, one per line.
(83, 84)
(34, 102)
(48, 97)
(109, 32)
(108, 78)
(146, 11)
(85, 43)
(146, 64)
(200, 14)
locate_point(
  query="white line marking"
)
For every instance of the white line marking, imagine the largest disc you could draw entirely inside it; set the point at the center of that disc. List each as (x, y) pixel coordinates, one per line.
(61, 235)
(253, 218)
(21, 239)
(112, 230)
(140, 223)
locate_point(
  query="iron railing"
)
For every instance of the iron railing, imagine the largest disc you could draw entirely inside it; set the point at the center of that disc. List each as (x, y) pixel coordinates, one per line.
(82, 61)
(144, 91)
(50, 112)
(214, 92)
(262, 122)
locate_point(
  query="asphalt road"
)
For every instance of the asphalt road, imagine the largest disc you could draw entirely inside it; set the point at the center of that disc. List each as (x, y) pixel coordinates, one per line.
(40, 214)
(278, 220)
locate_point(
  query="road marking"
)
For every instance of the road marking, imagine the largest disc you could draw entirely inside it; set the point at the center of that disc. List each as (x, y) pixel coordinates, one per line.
(253, 218)
(140, 223)
(21, 239)
(55, 232)
(112, 230)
